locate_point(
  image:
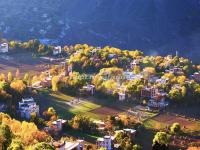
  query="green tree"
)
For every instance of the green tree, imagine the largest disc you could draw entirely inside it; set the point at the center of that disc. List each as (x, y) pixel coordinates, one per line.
(16, 145)
(161, 138)
(51, 111)
(175, 128)
(6, 136)
(175, 94)
(26, 77)
(42, 146)
(137, 147)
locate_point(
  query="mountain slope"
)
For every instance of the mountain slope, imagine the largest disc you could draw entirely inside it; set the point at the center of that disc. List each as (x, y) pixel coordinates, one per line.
(155, 26)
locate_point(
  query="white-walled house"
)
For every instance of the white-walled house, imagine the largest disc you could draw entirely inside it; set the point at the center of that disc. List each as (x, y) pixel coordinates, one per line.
(122, 96)
(89, 88)
(57, 50)
(28, 106)
(58, 124)
(4, 47)
(105, 142)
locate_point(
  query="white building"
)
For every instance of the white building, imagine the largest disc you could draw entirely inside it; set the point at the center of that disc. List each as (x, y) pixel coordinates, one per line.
(4, 48)
(196, 76)
(135, 62)
(58, 124)
(131, 76)
(74, 145)
(122, 96)
(27, 107)
(57, 50)
(89, 88)
(105, 142)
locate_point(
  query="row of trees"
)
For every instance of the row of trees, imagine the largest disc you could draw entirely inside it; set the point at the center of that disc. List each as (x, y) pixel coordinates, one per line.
(32, 46)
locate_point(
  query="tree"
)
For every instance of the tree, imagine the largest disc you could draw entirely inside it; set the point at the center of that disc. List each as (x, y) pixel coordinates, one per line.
(175, 94)
(18, 85)
(10, 77)
(136, 69)
(16, 145)
(175, 128)
(161, 138)
(26, 77)
(137, 147)
(55, 81)
(51, 111)
(6, 136)
(42, 146)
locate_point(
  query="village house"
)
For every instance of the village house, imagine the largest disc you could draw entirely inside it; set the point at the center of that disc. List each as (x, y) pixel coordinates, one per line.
(158, 101)
(3, 107)
(74, 145)
(89, 89)
(122, 96)
(121, 92)
(100, 124)
(153, 79)
(108, 141)
(4, 48)
(105, 142)
(131, 76)
(130, 132)
(135, 62)
(58, 124)
(111, 56)
(162, 80)
(175, 70)
(196, 76)
(27, 107)
(149, 92)
(67, 69)
(57, 50)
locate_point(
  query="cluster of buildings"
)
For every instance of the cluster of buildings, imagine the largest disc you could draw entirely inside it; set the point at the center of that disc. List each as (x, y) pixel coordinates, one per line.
(156, 97)
(108, 142)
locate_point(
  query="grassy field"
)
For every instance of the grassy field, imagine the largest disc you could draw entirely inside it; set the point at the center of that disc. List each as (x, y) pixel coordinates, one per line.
(60, 102)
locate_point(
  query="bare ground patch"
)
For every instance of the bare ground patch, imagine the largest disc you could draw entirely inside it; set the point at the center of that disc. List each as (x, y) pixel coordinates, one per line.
(106, 111)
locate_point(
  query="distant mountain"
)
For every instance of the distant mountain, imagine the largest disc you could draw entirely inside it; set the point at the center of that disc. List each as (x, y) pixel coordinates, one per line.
(155, 26)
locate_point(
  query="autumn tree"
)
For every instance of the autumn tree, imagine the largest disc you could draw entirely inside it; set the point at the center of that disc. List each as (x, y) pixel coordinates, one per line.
(9, 77)
(18, 85)
(55, 81)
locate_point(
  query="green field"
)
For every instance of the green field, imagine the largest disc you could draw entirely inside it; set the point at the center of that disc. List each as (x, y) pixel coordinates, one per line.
(59, 102)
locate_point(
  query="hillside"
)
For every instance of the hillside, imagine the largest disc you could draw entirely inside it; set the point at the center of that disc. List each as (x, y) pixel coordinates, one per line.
(154, 26)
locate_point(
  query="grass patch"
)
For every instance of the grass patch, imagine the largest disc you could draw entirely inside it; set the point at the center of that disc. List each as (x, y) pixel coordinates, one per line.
(153, 124)
(58, 101)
